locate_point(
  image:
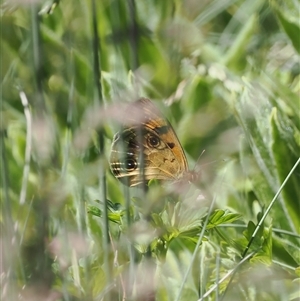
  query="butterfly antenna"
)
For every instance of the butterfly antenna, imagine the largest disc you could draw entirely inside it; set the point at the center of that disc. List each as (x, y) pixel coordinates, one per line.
(207, 163)
(214, 161)
(198, 160)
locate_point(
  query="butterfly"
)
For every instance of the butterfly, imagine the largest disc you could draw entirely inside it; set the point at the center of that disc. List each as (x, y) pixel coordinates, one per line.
(146, 130)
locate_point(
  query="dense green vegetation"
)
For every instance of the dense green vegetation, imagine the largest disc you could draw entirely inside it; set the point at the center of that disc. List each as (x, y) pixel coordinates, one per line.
(226, 73)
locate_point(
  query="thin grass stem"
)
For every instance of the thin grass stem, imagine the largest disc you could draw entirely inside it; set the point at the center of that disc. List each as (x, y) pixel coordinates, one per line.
(28, 148)
(198, 244)
(269, 208)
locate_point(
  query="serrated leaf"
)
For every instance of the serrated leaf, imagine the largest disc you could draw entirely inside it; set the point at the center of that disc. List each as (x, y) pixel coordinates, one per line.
(222, 217)
(158, 221)
(114, 216)
(264, 255)
(216, 216)
(94, 211)
(256, 243)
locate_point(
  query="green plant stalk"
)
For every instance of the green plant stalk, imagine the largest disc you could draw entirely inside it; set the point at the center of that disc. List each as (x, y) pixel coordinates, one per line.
(269, 207)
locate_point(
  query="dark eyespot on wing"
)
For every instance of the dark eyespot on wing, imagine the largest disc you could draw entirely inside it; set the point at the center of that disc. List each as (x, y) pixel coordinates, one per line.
(171, 145)
(130, 164)
(153, 141)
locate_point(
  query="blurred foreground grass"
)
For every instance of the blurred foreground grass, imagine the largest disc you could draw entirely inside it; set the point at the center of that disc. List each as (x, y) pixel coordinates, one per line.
(226, 74)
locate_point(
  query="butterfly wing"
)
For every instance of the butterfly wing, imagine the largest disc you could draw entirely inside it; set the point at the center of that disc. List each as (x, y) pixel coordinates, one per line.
(146, 130)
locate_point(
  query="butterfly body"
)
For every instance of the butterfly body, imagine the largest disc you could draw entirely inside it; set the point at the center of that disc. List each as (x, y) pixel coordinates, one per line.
(146, 135)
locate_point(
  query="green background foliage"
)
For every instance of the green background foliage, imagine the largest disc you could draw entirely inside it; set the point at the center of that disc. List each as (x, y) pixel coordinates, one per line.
(226, 75)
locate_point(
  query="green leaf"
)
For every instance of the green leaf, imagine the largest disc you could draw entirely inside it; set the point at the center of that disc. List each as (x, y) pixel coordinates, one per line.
(282, 251)
(94, 211)
(97, 281)
(115, 211)
(284, 160)
(291, 28)
(256, 243)
(264, 255)
(222, 217)
(237, 49)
